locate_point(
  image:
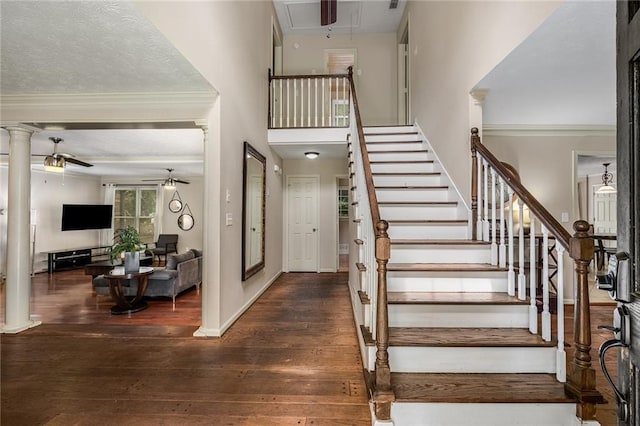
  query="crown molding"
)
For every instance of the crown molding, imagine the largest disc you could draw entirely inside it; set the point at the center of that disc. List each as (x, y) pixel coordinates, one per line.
(548, 130)
(106, 106)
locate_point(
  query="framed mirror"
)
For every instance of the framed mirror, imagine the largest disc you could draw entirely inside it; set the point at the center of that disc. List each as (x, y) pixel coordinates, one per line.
(175, 205)
(185, 220)
(253, 210)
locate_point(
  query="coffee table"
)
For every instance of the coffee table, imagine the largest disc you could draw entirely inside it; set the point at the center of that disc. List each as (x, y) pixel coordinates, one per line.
(128, 304)
(100, 268)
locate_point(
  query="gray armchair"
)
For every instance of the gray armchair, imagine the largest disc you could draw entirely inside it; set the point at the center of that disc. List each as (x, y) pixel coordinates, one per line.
(166, 244)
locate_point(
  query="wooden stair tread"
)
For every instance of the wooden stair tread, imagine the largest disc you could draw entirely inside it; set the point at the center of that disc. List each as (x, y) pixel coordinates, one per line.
(418, 203)
(447, 298)
(439, 267)
(410, 187)
(428, 222)
(401, 242)
(402, 162)
(479, 388)
(392, 142)
(406, 174)
(364, 298)
(401, 151)
(391, 133)
(358, 241)
(465, 337)
(361, 266)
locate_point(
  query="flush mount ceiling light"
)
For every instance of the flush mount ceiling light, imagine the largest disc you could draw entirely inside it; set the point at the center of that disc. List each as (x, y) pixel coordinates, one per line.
(607, 179)
(311, 155)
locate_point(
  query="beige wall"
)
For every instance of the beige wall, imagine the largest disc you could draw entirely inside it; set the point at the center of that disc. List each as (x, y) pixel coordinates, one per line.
(377, 62)
(328, 170)
(229, 43)
(452, 46)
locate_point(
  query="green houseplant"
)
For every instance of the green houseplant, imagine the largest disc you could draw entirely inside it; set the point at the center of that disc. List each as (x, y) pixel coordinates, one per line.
(127, 240)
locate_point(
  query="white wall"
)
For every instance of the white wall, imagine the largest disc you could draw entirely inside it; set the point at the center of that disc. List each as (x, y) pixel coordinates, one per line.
(327, 228)
(453, 45)
(377, 63)
(229, 43)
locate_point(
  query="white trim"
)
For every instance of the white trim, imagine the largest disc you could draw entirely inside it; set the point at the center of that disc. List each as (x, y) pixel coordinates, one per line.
(212, 332)
(548, 130)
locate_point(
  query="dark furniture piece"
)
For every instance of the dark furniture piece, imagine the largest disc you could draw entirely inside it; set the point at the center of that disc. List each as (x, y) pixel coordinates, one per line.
(166, 244)
(75, 258)
(125, 303)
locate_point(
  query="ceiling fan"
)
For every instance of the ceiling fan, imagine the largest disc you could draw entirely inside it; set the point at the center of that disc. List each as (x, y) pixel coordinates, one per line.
(57, 161)
(170, 181)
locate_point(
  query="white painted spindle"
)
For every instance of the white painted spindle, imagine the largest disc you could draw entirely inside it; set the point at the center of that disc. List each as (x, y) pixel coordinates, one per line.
(533, 264)
(315, 98)
(288, 104)
(511, 275)
(323, 90)
(502, 249)
(479, 203)
(281, 102)
(295, 102)
(485, 223)
(522, 284)
(494, 245)
(561, 355)
(546, 315)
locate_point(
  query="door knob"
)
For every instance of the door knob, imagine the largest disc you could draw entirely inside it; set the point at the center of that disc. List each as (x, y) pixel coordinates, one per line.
(314, 229)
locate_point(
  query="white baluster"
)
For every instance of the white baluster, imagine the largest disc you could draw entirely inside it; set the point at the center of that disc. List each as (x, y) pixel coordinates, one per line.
(511, 275)
(502, 256)
(533, 264)
(546, 315)
(479, 204)
(522, 284)
(288, 104)
(281, 102)
(344, 95)
(494, 245)
(273, 103)
(295, 102)
(323, 102)
(315, 98)
(309, 102)
(561, 355)
(485, 223)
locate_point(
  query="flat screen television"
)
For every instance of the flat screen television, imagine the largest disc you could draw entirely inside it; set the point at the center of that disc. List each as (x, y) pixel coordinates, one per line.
(77, 217)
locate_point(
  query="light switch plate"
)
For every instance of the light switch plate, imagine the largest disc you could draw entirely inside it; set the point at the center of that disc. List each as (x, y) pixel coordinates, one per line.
(229, 219)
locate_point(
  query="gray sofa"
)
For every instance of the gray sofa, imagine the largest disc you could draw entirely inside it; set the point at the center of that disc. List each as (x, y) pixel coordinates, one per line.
(182, 271)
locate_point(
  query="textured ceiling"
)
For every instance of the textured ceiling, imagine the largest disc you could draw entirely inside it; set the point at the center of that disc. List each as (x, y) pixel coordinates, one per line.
(58, 47)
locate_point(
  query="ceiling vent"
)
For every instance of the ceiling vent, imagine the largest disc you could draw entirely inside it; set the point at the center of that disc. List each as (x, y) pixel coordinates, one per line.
(393, 4)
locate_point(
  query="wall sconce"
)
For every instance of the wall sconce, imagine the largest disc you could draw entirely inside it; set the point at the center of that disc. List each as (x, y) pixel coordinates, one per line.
(277, 169)
(311, 155)
(607, 179)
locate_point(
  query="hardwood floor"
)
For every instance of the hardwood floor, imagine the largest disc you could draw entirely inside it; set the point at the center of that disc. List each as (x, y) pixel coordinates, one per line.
(291, 359)
(275, 366)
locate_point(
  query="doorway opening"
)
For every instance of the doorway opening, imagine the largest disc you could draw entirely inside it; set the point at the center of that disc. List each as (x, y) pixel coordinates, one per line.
(404, 104)
(342, 216)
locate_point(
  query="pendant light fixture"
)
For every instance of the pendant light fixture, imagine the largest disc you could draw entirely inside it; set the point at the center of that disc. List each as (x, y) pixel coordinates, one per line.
(607, 179)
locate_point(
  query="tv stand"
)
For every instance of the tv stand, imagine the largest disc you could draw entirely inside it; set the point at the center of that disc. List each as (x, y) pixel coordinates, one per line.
(76, 258)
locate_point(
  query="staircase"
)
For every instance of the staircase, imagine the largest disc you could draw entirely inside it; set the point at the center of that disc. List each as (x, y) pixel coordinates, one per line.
(461, 350)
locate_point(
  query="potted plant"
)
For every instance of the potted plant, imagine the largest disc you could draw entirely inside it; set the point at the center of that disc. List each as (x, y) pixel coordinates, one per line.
(127, 240)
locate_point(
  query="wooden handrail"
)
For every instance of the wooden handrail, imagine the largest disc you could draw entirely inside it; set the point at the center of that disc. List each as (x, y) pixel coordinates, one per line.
(371, 190)
(291, 77)
(554, 227)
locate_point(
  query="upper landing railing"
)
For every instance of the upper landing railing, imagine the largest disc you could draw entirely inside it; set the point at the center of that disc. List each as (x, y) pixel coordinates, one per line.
(309, 101)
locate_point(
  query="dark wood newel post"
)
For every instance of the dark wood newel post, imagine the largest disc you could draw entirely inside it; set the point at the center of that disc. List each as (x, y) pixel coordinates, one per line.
(474, 183)
(581, 377)
(383, 395)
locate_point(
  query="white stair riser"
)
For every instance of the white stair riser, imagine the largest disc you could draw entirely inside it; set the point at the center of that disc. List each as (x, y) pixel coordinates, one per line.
(402, 167)
(472, 360)
(395, 146)
(439, 254)
(407, 180)
(437, 212)
(478, 414)
(423, 231)
(388, 129)
(392, 137)
(396, 156)
(445, 282)
(459, 316)
(425, 195)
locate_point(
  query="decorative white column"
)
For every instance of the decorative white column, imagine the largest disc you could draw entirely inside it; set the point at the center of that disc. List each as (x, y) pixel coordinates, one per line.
(18, 285)
(476, 103)
(210, 322)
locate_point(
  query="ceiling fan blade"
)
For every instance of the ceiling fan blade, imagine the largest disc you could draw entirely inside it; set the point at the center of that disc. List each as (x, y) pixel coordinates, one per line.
(153, 180)
(64, 154)
(77, 162)
(328, 11)
(181, 181)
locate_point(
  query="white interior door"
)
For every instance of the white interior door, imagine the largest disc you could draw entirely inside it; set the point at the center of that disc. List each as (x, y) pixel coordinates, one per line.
(604, 213)
(302, 229)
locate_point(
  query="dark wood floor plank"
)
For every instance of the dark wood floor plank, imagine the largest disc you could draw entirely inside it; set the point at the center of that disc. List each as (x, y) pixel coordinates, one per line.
(292, 358)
